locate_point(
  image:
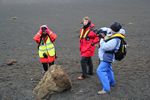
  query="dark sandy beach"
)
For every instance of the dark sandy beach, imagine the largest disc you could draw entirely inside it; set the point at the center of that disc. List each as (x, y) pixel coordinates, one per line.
(19, 22)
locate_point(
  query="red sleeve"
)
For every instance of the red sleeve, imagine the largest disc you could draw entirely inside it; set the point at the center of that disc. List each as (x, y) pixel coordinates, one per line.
(96, 39)
(53, 36)
(37, 38)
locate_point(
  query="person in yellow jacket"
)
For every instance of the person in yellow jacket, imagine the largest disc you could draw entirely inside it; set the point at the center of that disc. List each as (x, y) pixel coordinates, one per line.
(45, 39)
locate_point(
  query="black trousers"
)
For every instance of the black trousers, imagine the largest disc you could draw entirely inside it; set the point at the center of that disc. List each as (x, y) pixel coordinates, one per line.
(46, 65)
(87, 66)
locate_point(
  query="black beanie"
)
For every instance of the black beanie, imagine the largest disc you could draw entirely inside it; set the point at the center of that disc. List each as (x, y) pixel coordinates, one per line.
(115, 26)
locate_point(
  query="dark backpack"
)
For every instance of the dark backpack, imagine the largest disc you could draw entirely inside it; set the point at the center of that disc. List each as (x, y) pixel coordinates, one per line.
(122, 51)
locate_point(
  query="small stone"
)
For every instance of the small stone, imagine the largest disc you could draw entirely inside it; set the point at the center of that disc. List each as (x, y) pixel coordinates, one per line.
(14, 18)
(31, 79)
(11, 62)
(130, 23)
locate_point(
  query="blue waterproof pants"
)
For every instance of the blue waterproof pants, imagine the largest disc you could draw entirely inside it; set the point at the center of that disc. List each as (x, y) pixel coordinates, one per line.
(106, 75)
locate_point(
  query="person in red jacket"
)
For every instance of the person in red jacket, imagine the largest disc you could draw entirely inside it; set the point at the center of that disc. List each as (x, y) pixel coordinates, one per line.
(88, 39)
(45, 39)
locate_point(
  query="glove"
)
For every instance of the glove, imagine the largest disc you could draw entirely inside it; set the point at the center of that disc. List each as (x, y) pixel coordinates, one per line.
(92, 44)
(95, 31)
(45, 55)
(87, 38)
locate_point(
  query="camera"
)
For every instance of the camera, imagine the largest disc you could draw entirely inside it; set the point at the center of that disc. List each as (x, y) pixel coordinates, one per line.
(100, 32)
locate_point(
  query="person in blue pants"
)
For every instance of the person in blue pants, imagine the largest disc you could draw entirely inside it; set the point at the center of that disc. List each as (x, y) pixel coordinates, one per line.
(106, 56)
(106, 75)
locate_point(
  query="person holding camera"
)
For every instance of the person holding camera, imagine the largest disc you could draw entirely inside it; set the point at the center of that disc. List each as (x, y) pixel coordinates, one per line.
(106, 53)
(88, 40)
(45, 39)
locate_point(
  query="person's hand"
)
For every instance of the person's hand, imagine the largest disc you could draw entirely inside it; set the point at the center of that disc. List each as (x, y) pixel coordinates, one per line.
(87, 38)
(45, 55)
(96, 31)
(101, 41)
(106, 37)
(102, 35)
(92, 44)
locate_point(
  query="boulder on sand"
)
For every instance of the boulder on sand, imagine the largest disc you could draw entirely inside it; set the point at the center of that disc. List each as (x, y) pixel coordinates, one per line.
(54, 80)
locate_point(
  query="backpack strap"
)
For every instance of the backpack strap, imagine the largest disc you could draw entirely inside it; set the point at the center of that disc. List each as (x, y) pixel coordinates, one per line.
(117, 35)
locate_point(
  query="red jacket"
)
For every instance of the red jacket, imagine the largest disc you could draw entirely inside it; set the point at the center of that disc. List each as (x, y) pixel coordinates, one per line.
(52, 36)
(87, 42)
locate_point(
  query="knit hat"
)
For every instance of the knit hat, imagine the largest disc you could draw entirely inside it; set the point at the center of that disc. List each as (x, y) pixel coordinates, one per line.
(116, 26)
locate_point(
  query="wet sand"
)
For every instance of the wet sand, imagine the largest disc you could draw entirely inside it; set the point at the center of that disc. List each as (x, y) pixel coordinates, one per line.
(19, 22)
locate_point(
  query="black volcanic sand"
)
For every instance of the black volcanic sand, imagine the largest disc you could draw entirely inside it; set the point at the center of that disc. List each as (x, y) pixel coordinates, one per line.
(19, 22)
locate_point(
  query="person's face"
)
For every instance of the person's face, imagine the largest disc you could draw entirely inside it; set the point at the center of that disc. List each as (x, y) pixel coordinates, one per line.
(85, 22)
(44, 31)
